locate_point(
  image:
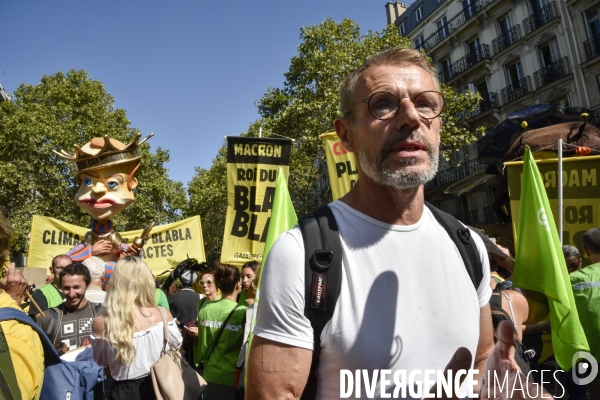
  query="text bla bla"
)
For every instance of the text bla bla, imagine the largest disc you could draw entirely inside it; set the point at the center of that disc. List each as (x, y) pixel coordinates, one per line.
(172, 235)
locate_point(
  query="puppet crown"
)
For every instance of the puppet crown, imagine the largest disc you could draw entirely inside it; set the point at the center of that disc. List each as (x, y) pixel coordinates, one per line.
(101, 152)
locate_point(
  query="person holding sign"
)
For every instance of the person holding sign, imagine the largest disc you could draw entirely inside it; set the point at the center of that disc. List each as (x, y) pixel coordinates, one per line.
(395, 310)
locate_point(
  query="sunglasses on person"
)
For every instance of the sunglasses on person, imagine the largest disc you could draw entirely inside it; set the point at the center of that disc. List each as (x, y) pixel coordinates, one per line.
(385, 105)
(207, 283)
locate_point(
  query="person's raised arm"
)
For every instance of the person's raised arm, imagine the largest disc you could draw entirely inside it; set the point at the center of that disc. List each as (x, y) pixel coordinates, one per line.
(276, 370)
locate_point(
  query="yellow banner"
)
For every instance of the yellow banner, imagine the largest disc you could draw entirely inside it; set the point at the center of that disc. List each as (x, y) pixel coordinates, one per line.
(252, 165)
(581, 195)
(169, 244)
(341, 165)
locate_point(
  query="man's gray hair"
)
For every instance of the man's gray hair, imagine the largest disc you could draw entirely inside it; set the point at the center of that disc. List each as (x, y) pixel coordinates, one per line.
(96, 267)
(591, 240)
(393, 56)
(570, 251)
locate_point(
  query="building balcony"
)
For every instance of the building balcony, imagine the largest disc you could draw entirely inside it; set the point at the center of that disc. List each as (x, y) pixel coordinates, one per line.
(455, 174)
(594, 117)
(436, 37)
(454, 23)
(507, 39)
(484, 105)
(541, 18)
(466, 14)
(592, 47)
(550, 73)
(513, 92)
(470, 59)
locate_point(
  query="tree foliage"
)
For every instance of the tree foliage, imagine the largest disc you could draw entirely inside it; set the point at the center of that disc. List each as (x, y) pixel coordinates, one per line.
(208, 199)
(307, 105)
(60, 111)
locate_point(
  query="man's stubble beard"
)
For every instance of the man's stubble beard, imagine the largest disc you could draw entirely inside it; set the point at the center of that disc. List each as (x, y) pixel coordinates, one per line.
(379, 170)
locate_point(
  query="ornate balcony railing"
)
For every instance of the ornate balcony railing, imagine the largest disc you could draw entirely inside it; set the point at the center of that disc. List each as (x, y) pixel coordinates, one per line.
(470, 59)
(513, 92)
(484, 105)
(592, 47)
(558, 69)
(454, 23)
(445, 75)
(594, 117)
(454, 174)
(506, 39)
(466, 14)
(541, 18)
(436, 37)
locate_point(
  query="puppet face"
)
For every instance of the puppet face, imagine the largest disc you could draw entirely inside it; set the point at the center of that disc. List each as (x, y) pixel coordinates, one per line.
(104, 193)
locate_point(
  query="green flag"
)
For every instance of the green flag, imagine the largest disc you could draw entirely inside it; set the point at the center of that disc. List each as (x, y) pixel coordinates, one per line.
(540, 265)
(283, 218)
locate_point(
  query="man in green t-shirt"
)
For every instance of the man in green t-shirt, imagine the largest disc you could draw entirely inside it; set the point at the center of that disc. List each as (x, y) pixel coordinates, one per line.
(586, 290)
(50, 295)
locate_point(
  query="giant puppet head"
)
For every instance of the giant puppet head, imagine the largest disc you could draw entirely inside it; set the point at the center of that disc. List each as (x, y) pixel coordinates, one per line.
(106, 174)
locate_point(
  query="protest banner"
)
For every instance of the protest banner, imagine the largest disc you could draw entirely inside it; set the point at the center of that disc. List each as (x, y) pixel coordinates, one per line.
(341, 165)
(581, 194)
(169, 244)
(252, 169)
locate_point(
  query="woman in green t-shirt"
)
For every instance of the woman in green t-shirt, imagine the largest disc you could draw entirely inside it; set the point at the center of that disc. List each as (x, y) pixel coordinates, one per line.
(220, 335)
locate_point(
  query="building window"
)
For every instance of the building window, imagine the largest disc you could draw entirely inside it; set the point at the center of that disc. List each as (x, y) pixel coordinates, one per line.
(549, 53)
(593, 23)
(537, 5)
(504, 25)
(514, 74)
(469, 8)
(419, 13)
(445, 73)
(442, 26)
(403, 28)
(419, 42)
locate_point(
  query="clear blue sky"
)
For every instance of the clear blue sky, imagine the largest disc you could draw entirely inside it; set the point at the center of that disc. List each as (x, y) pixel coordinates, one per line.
(189, 71)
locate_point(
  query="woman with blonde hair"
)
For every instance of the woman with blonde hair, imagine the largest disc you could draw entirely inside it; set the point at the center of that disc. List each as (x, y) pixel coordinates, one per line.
(128, 337)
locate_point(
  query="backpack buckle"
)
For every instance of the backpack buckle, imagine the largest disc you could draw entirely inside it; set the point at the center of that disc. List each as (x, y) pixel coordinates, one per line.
(321, 260)
(464, 235)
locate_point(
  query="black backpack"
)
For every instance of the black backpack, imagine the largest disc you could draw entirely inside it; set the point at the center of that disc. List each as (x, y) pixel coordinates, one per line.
(323, 270)
(498, 315)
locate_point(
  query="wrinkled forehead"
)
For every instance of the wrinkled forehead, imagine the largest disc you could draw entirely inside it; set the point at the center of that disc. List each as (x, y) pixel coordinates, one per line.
(404, 79)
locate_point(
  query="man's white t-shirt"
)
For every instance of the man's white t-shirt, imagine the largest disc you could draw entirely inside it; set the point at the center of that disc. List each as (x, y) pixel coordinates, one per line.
(406, 300)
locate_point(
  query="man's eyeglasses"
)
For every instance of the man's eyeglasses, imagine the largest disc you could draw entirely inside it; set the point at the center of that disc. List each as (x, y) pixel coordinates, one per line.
(207, 283)
(385, 105)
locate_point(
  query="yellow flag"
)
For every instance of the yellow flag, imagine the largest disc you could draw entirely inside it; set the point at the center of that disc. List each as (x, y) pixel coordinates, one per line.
(341, 165)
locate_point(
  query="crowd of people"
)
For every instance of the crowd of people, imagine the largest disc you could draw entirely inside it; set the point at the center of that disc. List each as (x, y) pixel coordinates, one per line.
(406, 300)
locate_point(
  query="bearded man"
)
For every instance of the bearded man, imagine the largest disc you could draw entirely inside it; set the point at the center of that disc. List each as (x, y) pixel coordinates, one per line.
(406, 302)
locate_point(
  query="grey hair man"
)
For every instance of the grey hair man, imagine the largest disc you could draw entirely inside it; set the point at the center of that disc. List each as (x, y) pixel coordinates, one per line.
(572, 258)
(395, 310)
(94, 292)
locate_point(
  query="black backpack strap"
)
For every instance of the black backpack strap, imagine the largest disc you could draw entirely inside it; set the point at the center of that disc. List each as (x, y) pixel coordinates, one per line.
(323, 279)
(461, 236)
